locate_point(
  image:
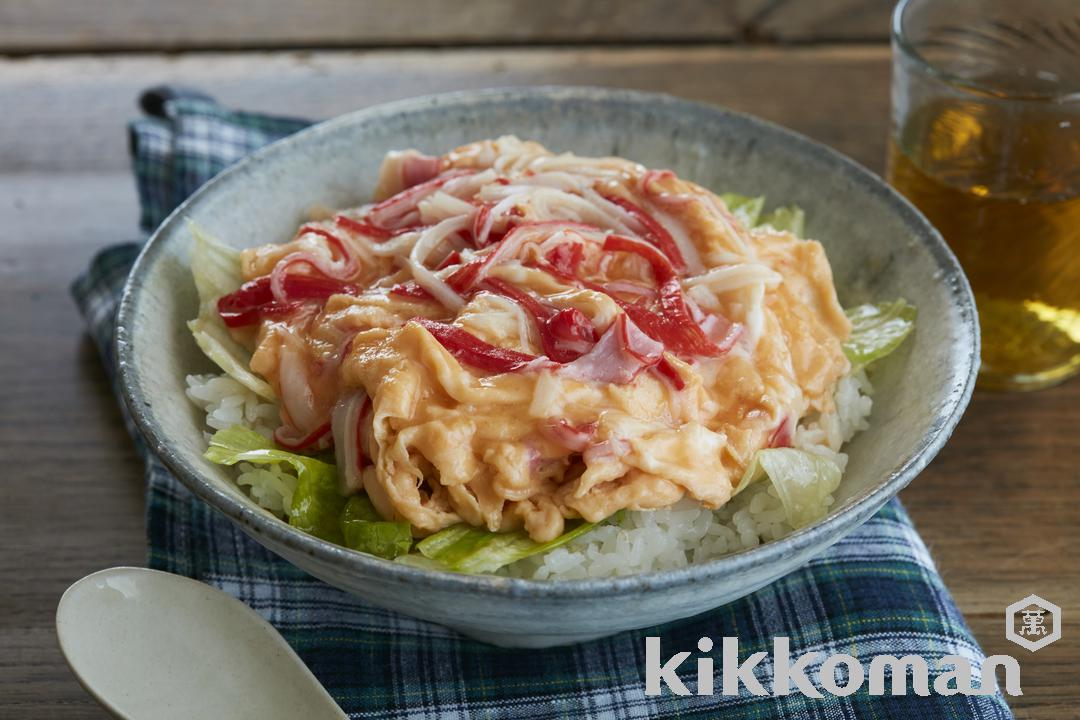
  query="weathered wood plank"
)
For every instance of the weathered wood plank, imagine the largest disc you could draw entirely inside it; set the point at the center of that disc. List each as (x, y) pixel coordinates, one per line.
(999, 509)
(67, 114)
(59, 25)
(73, 491)
(801, 21)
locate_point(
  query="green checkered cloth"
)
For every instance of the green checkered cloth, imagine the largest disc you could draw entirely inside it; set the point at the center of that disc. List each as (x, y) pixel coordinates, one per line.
(876, 592)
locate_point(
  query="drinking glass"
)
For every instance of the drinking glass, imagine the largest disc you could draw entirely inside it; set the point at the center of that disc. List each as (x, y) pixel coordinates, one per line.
(985, 140)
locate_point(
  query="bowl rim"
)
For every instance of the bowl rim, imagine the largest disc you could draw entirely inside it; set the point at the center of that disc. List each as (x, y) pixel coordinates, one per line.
(854, 511)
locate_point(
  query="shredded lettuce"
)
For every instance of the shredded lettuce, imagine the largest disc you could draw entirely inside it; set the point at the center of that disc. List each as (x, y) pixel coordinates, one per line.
(804, 481)
(790, 218)
(747, 209)
(877, 330)
(467, 549)
(216, 268)
(365, 530)
(316, 506)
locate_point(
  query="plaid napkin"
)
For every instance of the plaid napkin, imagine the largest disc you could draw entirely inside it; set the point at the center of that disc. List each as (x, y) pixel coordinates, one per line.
(876, 592)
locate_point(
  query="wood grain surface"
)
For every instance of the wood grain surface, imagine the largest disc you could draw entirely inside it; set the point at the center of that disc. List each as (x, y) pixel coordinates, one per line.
(60, 25)
(92, 97)
(999, 508)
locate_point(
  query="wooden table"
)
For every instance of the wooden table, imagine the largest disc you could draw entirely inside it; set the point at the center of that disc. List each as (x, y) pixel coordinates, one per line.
(999, 508)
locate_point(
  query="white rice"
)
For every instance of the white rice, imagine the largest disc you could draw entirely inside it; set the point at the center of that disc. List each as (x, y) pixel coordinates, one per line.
(226, 402)
(646, 540)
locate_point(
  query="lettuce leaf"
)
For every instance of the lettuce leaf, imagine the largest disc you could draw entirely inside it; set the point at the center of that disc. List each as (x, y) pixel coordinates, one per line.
(804, 481)
(364, 529)
(467, 549)
(317, 505)
(791, 219)
(877, 330)
(747, 209)
(216, 268)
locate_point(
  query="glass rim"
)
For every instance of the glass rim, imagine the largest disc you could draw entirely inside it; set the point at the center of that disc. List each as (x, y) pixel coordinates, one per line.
(901, 41)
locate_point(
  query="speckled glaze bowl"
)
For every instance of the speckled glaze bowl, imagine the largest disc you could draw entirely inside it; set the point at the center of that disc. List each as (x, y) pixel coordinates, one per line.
(879, 245)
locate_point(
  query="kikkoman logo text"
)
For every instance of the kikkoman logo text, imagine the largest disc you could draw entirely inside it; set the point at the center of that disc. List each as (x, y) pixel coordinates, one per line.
(838, 674)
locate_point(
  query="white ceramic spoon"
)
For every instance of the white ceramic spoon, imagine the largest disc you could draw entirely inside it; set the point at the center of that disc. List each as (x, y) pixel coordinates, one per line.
(147, 644)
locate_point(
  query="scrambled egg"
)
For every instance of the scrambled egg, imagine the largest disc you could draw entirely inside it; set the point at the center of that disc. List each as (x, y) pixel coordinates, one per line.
(443, 441)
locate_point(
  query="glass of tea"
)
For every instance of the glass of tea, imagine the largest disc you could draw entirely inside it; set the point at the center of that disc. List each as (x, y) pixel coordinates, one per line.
(986, 142)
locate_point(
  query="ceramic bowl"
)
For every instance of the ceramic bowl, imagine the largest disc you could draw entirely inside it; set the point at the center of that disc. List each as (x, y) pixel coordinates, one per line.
(880, 247)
